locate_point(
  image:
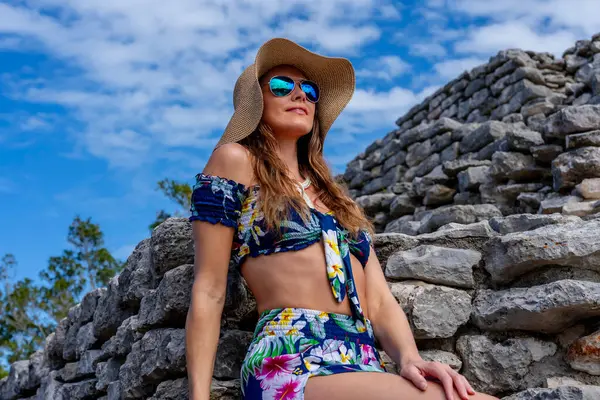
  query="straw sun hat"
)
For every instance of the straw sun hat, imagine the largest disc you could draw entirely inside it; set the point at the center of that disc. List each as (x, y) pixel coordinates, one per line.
(335, 77)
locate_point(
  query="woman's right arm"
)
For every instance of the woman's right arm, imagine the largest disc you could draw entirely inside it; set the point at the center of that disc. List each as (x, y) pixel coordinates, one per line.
(212, 251)
(208, 296)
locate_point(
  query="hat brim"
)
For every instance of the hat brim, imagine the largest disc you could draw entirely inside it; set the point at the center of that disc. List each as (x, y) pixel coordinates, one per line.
(334, 75)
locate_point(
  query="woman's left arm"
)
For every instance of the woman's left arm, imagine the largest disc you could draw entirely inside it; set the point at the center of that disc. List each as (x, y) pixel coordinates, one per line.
(392, 329)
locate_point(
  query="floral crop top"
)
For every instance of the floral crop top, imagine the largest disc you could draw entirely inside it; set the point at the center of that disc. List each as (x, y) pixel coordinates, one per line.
(220, 200)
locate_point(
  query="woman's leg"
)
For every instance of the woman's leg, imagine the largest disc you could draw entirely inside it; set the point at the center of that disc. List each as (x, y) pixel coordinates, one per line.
(374, 386)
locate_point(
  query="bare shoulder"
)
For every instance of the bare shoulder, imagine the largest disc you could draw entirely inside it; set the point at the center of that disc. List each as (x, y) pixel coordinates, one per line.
(232, 161)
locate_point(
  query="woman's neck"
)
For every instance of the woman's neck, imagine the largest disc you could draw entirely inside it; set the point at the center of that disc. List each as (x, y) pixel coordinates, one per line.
(288, 152)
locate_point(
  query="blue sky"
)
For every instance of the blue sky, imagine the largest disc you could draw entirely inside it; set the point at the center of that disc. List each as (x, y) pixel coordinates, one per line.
(101, 99)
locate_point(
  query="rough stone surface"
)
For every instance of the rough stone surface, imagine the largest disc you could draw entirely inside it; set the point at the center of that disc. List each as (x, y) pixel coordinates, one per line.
(574, 244)
(573, 119)
(584, 354)
(570, 168)
(462, 214)
(482, 357)
(584, 392)
(528, 222)
(452, 267)
(172, 245)
(436, 311)
(548, 308)
(532, 119)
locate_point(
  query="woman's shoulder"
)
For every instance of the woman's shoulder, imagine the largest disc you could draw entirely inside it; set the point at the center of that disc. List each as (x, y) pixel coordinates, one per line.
(231, 161)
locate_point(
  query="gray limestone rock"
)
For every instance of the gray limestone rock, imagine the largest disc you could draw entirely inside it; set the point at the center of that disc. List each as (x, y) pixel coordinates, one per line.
(374, 203)
(484, 134)
(528, 222)
(224, 390)
(231, 351)
(418, 152)
(546, 153)
(555, 204)
(591, 138)
(462, 214)
(444, 266)
(178, 390)
(574, 244)
(582, 208)
(402, 225)
(523, 139)
(158, 355)
(402, 205)
(436, 311)
(589, 188)
(109, 314)
(584, 392)
(472, 177)
(82, 390)
(138, 277)
(169, 303)
(453, 231)
(438, 194)
(570, 168)
(18, 377)
(444, 357)
(572, 119)
(548, 308)
(107, 372)
(375, 157)
(452, 168)
(172, 245)
(120, 344)
(516, 166)
(483, 357)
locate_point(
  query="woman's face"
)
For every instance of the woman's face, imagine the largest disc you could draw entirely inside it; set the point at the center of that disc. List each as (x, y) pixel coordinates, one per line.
(289, 116)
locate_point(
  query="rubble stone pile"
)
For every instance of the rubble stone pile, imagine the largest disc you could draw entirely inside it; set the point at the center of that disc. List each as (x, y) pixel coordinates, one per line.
(487, 203)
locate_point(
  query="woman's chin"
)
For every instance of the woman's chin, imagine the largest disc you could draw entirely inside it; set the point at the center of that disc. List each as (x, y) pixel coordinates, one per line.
(294, 130)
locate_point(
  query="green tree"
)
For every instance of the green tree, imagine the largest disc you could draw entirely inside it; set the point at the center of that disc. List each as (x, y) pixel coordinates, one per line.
(23, 324)
(29, 312)
(85, 267)
(180, 193)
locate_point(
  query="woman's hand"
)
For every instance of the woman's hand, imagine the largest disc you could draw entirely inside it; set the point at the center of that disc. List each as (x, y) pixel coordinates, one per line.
(416, 371)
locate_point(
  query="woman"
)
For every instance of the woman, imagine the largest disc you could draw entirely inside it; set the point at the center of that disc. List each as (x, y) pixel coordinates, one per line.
(267, 202)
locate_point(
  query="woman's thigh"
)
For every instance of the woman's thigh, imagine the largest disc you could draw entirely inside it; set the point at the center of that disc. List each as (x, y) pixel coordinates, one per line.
(375, 386)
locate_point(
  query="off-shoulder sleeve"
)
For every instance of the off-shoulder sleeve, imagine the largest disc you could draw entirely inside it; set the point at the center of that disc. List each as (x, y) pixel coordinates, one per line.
(217, 200)
(361, 247)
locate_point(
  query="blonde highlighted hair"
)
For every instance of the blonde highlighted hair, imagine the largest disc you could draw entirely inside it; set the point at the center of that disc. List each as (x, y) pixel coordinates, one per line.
(278, 190)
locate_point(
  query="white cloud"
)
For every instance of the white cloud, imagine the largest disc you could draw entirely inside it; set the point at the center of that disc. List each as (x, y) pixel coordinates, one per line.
(451, 69)
(580, 16)
(384, 67)
(488, 40)
(158, 76)
(428, 49)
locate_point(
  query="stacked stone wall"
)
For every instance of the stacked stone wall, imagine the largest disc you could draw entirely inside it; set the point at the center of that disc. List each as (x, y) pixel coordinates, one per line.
(535, 150)
(486, 203)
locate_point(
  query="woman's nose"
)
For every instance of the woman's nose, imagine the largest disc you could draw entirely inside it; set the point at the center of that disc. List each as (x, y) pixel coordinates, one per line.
(298, 93)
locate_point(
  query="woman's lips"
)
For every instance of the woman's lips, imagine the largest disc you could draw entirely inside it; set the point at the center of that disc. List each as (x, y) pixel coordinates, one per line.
(298, 110)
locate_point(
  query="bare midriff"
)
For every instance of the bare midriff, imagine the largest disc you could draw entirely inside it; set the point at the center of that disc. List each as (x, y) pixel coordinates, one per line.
(298, 279)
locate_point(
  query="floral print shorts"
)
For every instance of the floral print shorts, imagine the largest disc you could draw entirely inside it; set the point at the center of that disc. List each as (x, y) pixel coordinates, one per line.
(292, 344)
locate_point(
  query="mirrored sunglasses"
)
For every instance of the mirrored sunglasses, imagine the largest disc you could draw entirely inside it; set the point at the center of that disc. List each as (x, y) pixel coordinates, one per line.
(282, 86)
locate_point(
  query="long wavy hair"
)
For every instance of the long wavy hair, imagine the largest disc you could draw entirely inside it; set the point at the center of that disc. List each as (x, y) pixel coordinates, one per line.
(278, 190)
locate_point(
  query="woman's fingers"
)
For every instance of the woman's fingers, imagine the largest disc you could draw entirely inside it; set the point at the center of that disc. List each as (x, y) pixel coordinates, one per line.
(460, 383)
(438, 371)
(413, 374)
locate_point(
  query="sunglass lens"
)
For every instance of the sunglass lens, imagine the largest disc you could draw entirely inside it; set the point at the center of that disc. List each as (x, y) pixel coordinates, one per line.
(281, 85)
(312, 91)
